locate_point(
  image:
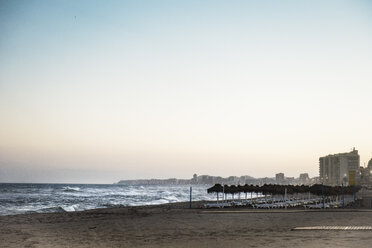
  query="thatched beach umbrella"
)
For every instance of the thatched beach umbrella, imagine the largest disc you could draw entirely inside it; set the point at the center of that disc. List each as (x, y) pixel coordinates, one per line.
(226, 190)
(255, 189)
(246, 190)
(217, 188)
(240, 190)
(233, 190)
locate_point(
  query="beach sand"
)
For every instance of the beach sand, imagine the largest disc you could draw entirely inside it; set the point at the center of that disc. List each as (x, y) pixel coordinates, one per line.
(174, 225)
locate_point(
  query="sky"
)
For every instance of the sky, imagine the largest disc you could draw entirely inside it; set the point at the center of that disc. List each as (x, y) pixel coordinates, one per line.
(98, 91)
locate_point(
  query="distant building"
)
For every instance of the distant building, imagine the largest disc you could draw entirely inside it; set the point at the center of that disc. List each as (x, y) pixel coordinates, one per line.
(366, 174)
(290, 180)
(314, 180)
(279, 178)
(304, 178)
(341, 168)
(194, 179)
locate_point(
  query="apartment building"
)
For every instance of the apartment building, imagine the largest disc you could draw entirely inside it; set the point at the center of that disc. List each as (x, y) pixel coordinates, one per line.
(341, 168)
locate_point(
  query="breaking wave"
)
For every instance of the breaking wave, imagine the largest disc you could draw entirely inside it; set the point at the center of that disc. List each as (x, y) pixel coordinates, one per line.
(48, 198)
(70, 189)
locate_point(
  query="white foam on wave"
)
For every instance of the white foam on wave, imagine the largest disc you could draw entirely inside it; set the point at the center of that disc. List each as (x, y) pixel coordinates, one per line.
(71, 208)
(172, 198)
(161, 201)
(70, 198)
(70, 189)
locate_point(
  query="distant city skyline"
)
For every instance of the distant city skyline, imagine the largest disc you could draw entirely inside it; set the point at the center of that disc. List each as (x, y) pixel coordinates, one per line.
(96, 92)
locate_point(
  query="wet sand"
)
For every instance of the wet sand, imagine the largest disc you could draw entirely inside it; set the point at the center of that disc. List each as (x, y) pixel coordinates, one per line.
(174, 225)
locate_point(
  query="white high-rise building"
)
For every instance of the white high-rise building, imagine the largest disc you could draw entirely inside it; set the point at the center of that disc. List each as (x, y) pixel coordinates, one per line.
(335, 169)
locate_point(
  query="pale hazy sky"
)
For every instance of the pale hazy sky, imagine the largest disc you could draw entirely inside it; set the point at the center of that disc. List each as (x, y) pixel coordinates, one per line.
(98, 91)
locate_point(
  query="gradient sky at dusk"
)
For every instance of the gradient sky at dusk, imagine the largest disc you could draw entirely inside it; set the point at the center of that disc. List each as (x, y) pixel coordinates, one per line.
(98, 91)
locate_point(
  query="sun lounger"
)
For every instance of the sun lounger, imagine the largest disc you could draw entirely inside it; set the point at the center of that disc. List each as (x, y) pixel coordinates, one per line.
(218, 205)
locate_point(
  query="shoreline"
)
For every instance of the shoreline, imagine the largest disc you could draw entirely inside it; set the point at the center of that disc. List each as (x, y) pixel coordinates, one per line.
(171, 205)
(196, 205)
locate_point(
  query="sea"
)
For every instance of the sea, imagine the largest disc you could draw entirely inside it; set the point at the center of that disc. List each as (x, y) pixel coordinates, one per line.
(47, 198)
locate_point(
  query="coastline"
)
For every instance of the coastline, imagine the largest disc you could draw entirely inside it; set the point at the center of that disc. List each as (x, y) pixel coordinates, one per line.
(175, 225)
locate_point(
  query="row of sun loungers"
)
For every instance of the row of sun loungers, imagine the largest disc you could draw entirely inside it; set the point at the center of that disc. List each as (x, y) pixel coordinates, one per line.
(261, 203)
(332, 204)
(315, 203)
(283, 204)
(218, 205)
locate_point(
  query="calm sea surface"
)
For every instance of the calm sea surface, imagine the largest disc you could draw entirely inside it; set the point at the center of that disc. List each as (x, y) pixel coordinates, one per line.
(28, 198)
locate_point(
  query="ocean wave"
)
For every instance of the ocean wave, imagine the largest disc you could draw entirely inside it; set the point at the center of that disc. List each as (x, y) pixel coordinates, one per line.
(72, 208)
(70, 189)
(113, 205)
(51, 210)
(160, 201)
(172, 198)
(69, 198)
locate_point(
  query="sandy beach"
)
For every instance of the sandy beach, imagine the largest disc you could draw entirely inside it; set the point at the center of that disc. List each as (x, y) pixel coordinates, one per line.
(174, 225)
